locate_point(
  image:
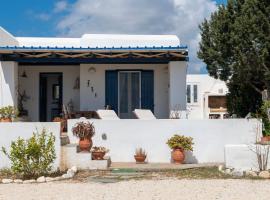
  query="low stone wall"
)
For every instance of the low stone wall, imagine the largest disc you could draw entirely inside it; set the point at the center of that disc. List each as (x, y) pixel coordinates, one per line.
(11, 131)
(122, 137)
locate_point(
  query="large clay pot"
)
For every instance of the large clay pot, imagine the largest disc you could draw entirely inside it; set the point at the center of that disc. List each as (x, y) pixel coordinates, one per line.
(265, 139)
(85, 144)
(140, 159)
(5, 120)
(96, 155)
(178, 156)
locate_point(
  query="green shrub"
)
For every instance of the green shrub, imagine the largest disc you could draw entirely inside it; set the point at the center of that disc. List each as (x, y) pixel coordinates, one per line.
(181, 142)
(32, 157)
(265, 119)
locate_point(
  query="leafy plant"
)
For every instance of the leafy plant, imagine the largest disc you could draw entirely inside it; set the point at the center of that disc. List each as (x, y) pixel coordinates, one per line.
(84, 130)
(99, 149)
(140, 152)
(235, 46)
(32, 157)
(265, 118)
(8, 112)
(181, 142)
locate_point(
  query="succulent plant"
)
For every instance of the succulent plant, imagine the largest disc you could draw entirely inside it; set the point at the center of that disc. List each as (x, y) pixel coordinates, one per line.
(140, 152)
(181, 142)
(84, 130)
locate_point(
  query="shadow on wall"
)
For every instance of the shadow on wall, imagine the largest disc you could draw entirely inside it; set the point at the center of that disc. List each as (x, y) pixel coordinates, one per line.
(190, 158)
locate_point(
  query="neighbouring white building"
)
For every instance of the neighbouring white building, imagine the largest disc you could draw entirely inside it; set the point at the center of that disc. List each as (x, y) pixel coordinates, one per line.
(206, 97)
(123, 72)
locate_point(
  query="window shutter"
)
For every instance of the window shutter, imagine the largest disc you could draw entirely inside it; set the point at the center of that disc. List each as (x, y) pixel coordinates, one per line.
(147, 90)
(111, 89)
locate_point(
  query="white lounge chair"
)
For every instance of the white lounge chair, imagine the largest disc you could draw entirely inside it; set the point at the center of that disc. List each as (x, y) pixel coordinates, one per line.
(107, 114)
(178, 114)
(144, 114)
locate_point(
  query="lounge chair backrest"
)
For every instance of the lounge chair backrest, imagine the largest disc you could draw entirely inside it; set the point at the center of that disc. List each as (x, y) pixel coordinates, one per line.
(178, 114)
(107, 114)
(144, 114)
(65, 112)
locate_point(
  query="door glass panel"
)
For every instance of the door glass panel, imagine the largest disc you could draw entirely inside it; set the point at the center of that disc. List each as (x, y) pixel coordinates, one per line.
(135, 91)
(123, 92)
(129, 93)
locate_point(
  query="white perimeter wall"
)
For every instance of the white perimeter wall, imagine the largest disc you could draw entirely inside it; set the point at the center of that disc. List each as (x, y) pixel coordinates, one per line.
(11, 131)
(88, 101)
(210, 137)
(31, 86)
(8, 83)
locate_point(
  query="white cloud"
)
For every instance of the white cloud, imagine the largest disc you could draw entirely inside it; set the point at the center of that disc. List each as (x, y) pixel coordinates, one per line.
(43, 16)
(60, 6)
(180, 17)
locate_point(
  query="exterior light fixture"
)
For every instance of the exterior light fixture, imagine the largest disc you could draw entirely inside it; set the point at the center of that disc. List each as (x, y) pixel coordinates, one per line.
(92, 70)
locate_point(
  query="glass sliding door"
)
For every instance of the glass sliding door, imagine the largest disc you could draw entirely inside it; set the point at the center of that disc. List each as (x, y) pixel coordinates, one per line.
(129, 93)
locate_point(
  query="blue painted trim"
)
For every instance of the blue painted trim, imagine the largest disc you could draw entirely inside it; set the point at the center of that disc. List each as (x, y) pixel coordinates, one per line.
(92, 49)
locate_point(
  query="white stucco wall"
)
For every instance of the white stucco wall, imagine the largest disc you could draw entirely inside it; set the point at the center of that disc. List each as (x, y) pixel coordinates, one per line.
(88, 101)
(207, 85)
(210, 137)
(11, 131)
(31, 86)
(177, 85)
(244, 157)
(8, 83)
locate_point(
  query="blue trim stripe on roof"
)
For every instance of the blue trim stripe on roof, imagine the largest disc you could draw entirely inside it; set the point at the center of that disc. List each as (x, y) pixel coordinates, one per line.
(93, 48)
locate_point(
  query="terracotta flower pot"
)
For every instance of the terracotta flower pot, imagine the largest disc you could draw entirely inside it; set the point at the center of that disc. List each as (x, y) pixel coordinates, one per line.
(98, 155)
(140, 158)
(85, 144)
(178, 156)
(5, 120)
(265, 139)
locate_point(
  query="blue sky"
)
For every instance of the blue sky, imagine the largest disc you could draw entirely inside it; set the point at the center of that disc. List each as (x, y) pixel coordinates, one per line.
(74, 17)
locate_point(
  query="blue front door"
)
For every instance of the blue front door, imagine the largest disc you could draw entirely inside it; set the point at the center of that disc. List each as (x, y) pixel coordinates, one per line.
(129, 90)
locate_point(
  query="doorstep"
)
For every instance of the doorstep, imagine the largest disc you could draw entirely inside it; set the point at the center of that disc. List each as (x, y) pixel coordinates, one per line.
(159, 166)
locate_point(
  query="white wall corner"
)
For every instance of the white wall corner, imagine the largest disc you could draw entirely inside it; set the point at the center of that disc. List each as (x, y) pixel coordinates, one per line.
(177, 86)
(8, 83)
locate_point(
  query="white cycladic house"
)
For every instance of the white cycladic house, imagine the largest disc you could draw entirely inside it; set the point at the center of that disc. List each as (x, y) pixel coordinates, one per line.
(206, 97)
(123, 72)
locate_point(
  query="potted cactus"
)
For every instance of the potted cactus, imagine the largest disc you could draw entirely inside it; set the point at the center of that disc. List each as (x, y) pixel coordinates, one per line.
(8, 113)
(140, 155)
(179, 144)
(84, 131)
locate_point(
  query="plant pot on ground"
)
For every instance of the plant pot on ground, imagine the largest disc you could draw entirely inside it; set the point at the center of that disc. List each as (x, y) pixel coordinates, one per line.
(98, 153)
(62, 121)
(8, 113)
(140, 156)
(265, 139)
(84, 131)
(179, 144)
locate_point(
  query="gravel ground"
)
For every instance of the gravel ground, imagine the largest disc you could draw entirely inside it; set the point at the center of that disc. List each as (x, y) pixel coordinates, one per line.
(230, 189)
